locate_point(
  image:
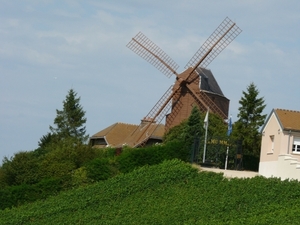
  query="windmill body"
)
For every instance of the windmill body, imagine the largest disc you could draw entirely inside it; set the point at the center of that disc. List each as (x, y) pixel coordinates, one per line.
(202, 80)
(210, 87)
(182, 100)
(194, 86)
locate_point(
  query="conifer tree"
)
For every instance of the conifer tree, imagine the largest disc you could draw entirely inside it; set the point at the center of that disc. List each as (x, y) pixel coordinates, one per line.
(70, 120)
(250, 119)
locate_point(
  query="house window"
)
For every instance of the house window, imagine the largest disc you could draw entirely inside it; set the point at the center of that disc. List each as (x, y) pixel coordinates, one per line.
(296, 145)
(272, 142)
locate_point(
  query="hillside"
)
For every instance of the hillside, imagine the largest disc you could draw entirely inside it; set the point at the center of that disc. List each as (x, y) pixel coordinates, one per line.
(169, 193)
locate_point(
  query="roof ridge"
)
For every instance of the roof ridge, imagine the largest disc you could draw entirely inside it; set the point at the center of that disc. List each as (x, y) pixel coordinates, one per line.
(127, 123)
(289, 110)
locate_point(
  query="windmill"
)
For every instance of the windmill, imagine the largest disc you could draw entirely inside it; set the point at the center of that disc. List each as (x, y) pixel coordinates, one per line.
(186, 92)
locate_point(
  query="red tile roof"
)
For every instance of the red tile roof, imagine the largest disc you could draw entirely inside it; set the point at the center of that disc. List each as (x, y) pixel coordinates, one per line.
(122, 133)
(289, 119)
(116, 133)
(154, 131)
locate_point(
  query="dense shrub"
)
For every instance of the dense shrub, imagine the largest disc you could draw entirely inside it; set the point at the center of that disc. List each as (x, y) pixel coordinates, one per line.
(21, 169)
(137, 157)
(100, 169)
(25, 193)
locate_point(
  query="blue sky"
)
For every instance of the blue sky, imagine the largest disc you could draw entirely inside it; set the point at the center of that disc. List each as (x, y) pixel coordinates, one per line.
(48, 47)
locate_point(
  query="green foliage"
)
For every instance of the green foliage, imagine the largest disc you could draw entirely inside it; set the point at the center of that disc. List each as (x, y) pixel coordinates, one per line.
(132, 158)
(80, 177)
(74, 165)
(65, 156)
(21, 169)
(187, 130)
(70, 121)
(104, 152)
(194, 126)
(250, 119)
(217, 127)
(46, 140)
(191, 131)
(169, 193)
(100, 169)
(3, 178)
(24, 175)
(24, 193)
(176, 133)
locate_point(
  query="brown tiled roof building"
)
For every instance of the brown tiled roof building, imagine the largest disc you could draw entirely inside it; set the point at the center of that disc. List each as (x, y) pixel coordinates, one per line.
(119, 134)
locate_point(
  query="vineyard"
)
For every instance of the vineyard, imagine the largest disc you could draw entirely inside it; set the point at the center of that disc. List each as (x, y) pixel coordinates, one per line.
(172, 192)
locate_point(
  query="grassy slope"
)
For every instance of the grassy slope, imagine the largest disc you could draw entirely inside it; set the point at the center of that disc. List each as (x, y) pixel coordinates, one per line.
(170, 193)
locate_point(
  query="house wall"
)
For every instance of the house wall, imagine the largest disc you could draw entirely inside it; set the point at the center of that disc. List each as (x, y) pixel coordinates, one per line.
(271, 129)
(268, 169)
(281, 161)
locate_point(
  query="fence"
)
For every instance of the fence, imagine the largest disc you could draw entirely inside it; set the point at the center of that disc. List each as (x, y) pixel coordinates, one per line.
(216, 150)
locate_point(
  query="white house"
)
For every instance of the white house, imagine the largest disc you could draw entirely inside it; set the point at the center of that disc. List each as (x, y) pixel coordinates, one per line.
(280, 146)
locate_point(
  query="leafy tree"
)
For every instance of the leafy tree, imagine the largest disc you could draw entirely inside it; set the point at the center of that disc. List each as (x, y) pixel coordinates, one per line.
(21, 169)
(70, 121)
(176, 133)
(64, 158)
(46, 140)
(250, 119)
(187, 129)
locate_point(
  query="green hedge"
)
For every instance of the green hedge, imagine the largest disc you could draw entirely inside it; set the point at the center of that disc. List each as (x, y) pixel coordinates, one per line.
(132, 158)
(25, 193)
(100, 169)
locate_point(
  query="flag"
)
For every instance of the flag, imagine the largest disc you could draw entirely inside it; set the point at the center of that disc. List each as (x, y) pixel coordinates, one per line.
(206, 120)
(229, 127)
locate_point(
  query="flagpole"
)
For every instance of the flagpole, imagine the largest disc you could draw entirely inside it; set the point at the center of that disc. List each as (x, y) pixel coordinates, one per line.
(205, 139)
(226, 157)
(228, 134)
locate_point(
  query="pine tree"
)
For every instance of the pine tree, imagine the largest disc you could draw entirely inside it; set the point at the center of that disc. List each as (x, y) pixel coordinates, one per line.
(250, 119)
(70, 121)
(46, 140)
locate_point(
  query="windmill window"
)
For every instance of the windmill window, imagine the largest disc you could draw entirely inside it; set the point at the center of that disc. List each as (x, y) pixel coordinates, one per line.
(296, 145)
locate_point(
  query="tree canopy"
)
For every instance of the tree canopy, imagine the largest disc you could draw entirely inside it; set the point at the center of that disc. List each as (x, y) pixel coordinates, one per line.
(250, 119)
(69, 122)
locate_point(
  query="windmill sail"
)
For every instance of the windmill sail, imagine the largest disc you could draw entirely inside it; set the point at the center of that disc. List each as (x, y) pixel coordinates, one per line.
(149, 51)
(151, 122)
(225, 33)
